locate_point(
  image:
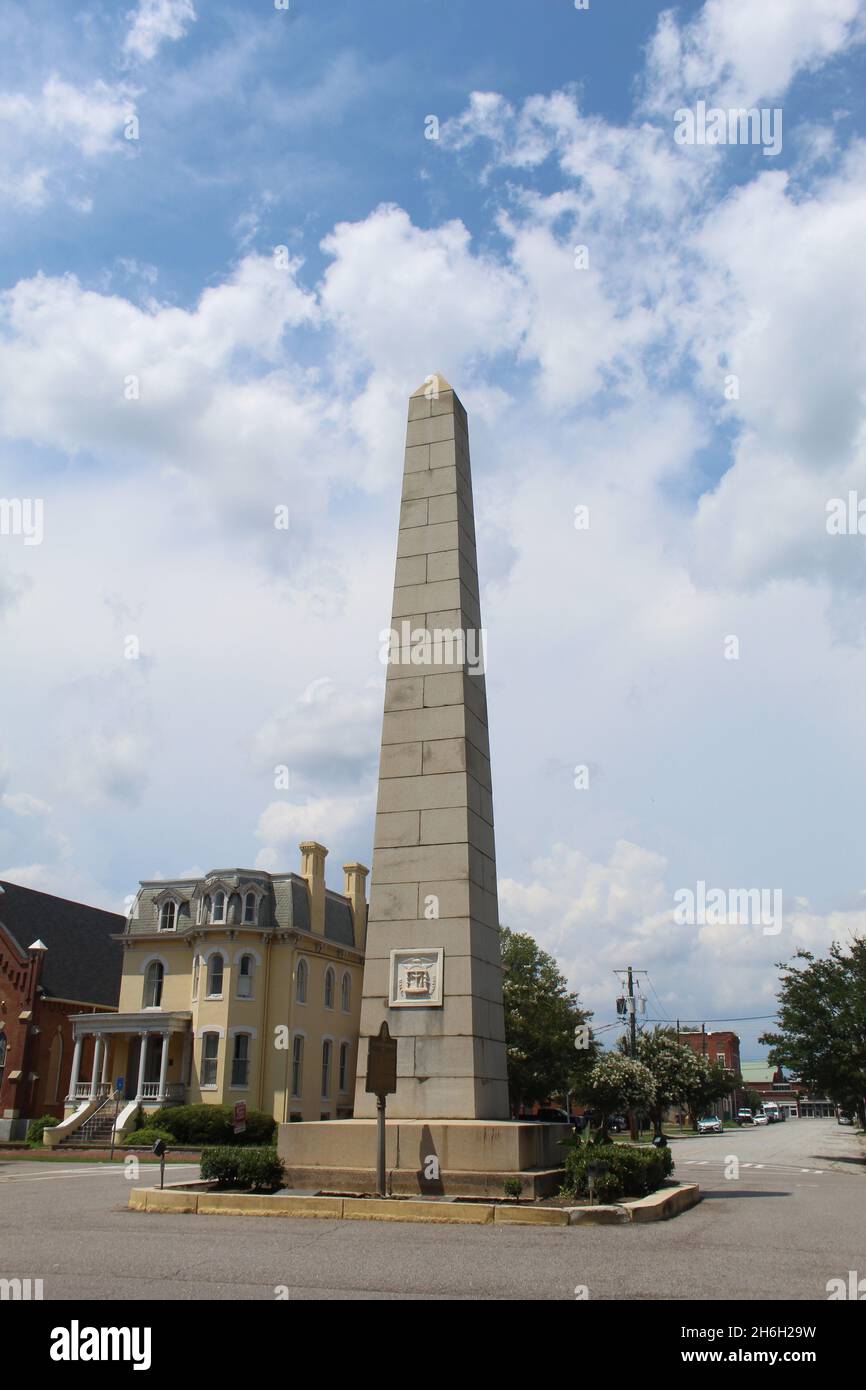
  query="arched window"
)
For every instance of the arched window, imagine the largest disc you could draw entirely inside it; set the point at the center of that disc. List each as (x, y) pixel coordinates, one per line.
(205, 910)
(346, 993)
(344, 1067)
(215, 967)
(168, 916)
(196, 967)
(219, 907)
(326, 1068)
(301, 983)
(297, 1064)
(250, 913)
(330, 986)
(153, 984)
(245, 977)
(210, 1047)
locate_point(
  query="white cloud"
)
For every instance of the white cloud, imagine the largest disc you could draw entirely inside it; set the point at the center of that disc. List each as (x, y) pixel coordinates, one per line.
(736, 52)
(154, 23)
(38, 132)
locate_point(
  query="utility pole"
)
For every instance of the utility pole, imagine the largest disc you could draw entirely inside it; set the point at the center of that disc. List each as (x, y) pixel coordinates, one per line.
(630, 1007)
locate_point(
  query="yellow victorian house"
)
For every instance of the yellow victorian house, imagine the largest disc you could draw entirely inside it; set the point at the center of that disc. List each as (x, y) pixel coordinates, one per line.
(242, 985)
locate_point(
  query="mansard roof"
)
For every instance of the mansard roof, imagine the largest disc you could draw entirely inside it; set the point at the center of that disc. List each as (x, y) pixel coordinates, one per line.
(286, 903)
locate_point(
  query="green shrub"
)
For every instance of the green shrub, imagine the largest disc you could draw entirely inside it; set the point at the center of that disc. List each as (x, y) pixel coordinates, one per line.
(147, 1137)
(255, 1169)
(213, 1124)
(512, 1187)
(630, 1172)
(36, 1129)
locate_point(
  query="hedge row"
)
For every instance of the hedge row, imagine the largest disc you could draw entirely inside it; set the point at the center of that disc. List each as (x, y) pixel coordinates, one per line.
(255, 1170)
(628, 1172)
(211, 1124)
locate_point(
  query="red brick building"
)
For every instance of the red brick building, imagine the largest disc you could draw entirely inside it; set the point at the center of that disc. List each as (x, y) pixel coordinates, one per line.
(722, 1049)
(56, 958)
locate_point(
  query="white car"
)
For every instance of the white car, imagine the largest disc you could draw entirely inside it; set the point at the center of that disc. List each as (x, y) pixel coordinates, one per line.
(760, 1119)
(710, 1124)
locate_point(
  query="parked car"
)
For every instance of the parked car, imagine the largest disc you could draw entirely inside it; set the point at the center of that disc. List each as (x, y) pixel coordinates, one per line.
(760, 1119)
(844, 1119)
(745, 1116)
(617, 1124)
(710, 1124)
(551, 1114)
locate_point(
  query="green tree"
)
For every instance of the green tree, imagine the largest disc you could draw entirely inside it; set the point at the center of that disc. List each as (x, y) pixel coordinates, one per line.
(675, 1068)
(821, 1035)
(541, 1015)
(618, 1084)
(711, 1083)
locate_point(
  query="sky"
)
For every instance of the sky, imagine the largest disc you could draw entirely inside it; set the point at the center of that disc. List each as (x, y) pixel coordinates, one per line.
(234, 238)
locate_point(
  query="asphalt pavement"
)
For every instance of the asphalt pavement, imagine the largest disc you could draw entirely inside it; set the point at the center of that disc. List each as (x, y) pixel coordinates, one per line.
(784, 1211)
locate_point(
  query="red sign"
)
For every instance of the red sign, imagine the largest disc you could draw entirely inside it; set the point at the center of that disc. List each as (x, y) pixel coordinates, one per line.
(240, 1116)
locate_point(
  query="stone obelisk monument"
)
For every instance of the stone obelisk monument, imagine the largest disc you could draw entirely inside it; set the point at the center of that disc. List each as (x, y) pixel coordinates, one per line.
(433, 969)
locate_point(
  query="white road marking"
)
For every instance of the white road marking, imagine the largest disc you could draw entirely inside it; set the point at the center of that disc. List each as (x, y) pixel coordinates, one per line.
(86, 1173)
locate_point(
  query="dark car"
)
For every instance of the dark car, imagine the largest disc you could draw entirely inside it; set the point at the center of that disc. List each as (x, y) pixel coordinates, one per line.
(617, 1124)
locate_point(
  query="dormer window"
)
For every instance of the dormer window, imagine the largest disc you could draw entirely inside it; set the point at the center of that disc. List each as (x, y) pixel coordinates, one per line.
(250, 909)
(206, 909)
(219, 907)
(168, 915)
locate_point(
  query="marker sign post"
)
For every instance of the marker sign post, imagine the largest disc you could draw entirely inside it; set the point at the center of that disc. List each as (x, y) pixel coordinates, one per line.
(240, 1116)
(381, 1082)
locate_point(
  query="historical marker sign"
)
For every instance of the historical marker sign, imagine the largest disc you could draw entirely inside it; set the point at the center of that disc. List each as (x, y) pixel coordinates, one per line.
(382, 1063)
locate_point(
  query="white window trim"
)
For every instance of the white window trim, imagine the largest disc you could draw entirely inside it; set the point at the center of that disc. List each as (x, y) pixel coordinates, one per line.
(326, 1038)
(297, 1033)
(240, 1033)
(206, 957)
(306, 964)
(347, 1089)
(210, 1085)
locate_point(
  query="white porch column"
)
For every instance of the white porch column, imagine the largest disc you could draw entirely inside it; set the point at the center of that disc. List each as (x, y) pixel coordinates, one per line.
(76, 1067)
(163, 1066)
(97, 1063)
(104, 1079)
(142, 1059)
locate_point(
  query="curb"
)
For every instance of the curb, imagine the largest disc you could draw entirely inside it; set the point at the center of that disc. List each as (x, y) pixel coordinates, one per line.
(659, 1206)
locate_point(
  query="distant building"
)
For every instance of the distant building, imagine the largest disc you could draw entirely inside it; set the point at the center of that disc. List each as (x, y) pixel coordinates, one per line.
(56, 957)
(722, 1049)
(239, 986)
(789, 1094)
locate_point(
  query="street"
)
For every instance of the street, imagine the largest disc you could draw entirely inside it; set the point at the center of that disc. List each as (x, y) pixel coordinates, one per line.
(793, 1218)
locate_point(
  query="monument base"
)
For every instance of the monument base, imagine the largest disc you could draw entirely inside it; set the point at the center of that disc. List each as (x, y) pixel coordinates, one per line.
(450, 1158)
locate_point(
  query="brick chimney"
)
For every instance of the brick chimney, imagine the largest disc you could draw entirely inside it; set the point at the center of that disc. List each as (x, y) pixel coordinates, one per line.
(354, 891)
(313, 856)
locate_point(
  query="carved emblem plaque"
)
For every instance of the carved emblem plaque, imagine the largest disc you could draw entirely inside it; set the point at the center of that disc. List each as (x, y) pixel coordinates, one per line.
(416, 979)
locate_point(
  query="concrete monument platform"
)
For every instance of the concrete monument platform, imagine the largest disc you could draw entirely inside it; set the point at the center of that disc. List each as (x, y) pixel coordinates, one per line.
(456, 1158)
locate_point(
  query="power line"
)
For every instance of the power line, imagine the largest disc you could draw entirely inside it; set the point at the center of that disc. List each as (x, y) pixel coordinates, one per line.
(658, 999)
(750, 1018)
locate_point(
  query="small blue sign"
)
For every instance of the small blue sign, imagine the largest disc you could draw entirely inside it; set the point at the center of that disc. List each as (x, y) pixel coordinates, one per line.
(119, 1085)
